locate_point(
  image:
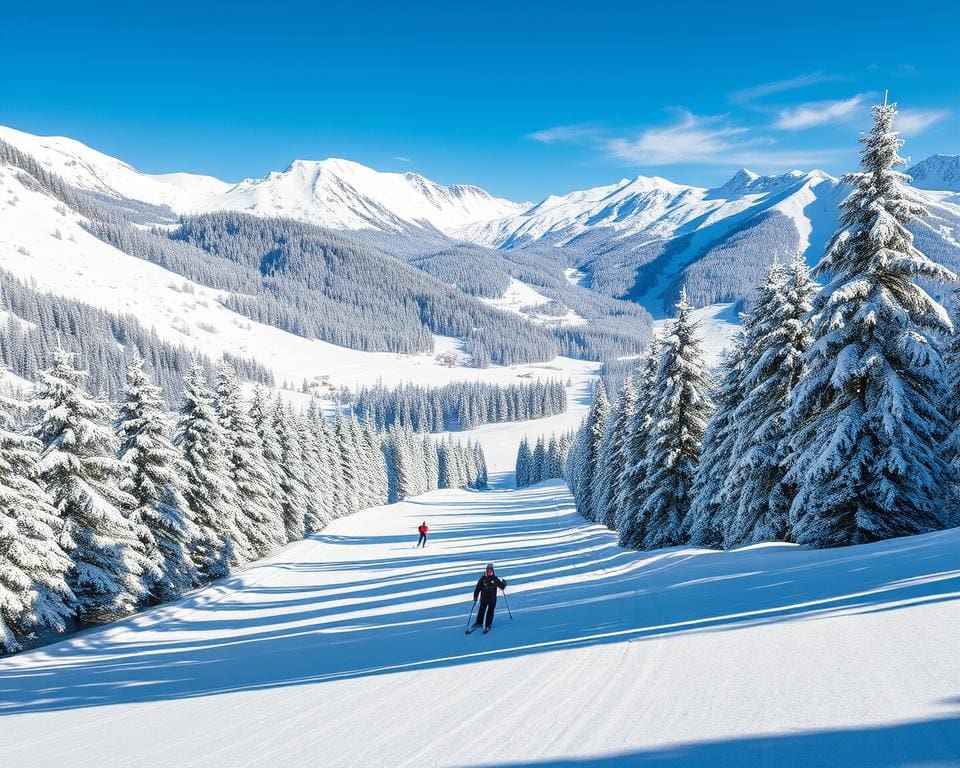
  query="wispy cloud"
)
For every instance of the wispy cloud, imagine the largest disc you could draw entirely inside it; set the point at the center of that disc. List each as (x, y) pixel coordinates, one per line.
(815, 113)
(690, 139)
(746, 96)
(581, 133)
(402, 159)
(913, 122)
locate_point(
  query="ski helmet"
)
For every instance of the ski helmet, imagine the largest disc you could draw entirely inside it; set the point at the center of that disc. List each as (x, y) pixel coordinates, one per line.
(490, 566)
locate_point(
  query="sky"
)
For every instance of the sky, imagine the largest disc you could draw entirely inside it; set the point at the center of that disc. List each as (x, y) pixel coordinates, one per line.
(524, 99)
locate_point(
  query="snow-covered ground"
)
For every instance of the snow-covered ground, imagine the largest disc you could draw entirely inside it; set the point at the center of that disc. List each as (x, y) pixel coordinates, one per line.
(522, 299)
(348, 649)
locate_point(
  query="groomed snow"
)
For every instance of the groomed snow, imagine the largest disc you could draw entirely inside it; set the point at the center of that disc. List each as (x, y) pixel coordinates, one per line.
(348, 650)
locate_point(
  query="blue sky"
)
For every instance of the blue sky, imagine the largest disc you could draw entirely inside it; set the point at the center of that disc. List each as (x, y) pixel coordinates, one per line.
(523, 98)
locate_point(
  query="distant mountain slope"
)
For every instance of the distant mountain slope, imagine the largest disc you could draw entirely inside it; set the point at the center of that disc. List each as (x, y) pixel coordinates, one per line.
(85, 168)
(333, 193)
(340, 194)
(937, 172)
(642, 238)
(634, 242)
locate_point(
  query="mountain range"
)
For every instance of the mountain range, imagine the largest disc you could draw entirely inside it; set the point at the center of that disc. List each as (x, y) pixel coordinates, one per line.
(631, 245)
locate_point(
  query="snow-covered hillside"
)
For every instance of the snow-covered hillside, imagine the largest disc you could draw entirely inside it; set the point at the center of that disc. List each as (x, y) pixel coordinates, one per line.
(87, 169)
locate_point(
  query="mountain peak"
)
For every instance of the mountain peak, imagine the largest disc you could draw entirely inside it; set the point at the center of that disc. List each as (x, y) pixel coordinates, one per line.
(937, 172)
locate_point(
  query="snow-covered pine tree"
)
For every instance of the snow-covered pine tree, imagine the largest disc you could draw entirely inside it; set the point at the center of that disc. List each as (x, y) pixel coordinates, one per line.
(83, 477)
(681, 408)
(292, 474)
(706, 521)
(628, 521)
(523, 463)
(338, 498)
(480, 461)
(259, 524)
(589, 455)
(346, 454)
(866, 422)
(33, 590)
(951, 404)
(777, 336)
(430, 454)
(314, 516)
(157, 482)
(553, 456)
(262, 413)
(624, 414)
(209, 492)
(539, 461)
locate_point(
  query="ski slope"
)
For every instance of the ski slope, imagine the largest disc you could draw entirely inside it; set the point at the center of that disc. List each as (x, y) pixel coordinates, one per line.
(348, 649)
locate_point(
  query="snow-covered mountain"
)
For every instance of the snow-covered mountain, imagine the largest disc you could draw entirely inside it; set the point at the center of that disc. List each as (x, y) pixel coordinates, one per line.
(937, 172)
(334, 193)
(643, 238)
(650, 205)
(90, 170)
(341, 194)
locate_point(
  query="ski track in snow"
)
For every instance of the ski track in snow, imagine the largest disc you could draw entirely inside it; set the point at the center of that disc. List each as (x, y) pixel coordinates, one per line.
(348, 649)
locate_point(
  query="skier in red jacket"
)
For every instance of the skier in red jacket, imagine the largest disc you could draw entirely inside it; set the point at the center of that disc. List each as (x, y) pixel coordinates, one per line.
(423, 534)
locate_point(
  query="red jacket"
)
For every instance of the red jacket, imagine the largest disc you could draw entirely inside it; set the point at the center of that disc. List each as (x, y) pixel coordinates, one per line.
(423, 530)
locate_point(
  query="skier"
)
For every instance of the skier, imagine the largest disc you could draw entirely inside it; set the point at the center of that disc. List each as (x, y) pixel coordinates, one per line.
(422, 529)
(486, 590)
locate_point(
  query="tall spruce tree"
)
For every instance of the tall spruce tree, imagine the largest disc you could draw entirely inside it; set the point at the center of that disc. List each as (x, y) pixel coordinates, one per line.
(681, 406)
(258, 528)
(291, 472)
(209, 492)
(777, 337)
(522, 468)
(624, 414)
(629, 521)
(865, 424)
(80, 471)
(157, 482)
(33, 590)
(706, 522)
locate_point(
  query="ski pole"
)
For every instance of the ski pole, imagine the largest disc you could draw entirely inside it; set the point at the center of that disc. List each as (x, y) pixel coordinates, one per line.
(507, 603)
(470, 615)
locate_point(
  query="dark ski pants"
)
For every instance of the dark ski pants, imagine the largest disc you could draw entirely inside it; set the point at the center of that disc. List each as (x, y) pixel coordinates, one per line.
(422, 540)
(485, 613)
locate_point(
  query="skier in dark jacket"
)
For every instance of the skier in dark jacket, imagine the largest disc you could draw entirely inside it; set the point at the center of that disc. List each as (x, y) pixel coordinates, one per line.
(422, 530)
(486, 590)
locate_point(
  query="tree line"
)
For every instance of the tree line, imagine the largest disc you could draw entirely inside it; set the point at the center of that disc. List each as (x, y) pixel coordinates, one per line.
(105, 510)
(545, 461)
(834, 419)
(458, 405)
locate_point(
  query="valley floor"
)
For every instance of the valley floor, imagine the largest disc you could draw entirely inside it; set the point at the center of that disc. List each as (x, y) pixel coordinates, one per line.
(348, 649)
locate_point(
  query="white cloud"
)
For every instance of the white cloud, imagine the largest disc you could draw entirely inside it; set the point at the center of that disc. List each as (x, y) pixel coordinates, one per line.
(816, 113)
(401, 158)
(709, 140)
(691, 139)
(568, 134)
(912, 122)
(745, 96)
